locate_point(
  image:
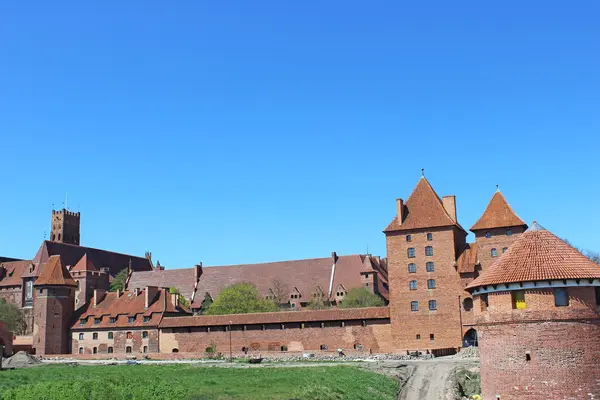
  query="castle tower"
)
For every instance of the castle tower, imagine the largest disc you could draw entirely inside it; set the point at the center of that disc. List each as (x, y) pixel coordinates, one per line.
(536, 310)
(423, 242)
(65, 226)
(496, 230)
(53, 308)
(88, 278)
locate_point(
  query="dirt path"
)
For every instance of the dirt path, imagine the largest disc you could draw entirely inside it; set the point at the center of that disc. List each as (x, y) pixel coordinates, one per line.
(429, 380)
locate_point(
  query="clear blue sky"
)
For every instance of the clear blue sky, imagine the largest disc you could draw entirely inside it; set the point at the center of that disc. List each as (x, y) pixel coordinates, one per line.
(248, 131)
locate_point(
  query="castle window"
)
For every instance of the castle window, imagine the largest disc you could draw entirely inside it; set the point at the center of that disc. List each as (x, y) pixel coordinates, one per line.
(431, 336)
(97, 320)
(129, 335)
(110, 335)
(323, 347)
(429, 251)
(414, 306)
(509, 232)
(412, 268)
(432, 305)
(430, 283)
(418, 337)
(518, 300)
(430, 267)
(82, 321)
(112, 320)
(412, 285)
(131, 319)
(408, 238)
(175, 350)
(484, 301)
(110, 350)
(59, 236)
(146, 318)
(494, 252)
(145, 335)
(504, 250)
(488, 235)
(468, 304)
(81, 336)
(128, 349)
(95, 350)
(430, 236)
(561, 297)
(145, 349)
(81, 350)
(411, 252)
(95, 336)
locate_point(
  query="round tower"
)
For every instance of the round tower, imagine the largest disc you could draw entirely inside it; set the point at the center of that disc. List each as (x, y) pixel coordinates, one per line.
(536, 312)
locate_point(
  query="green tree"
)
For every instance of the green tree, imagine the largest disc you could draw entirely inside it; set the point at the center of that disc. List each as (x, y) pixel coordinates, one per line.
(205, 305)
(13, 316)
(361, 297)
(182, 300)
(118, 282)
(240, 298)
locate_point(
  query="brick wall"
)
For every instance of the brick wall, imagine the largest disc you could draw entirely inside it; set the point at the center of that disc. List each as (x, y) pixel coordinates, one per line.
(53, 310)
(498, 241)
(119, 343)
(6, 339)
(542, 351)
(443, 323)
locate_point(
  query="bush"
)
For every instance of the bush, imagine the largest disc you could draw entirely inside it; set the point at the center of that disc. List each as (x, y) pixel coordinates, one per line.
(361, 297)
(240, 298)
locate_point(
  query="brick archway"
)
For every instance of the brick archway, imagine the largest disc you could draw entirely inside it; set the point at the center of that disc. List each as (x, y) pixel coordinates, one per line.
(470, 338)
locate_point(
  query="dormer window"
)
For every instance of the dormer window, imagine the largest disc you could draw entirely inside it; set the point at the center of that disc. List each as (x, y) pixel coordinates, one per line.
(83, 321)
(131, 319)
(97, 320)
(146, 318)
(112, 320)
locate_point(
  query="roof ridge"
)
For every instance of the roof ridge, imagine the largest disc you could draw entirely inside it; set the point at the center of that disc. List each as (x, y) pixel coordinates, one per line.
(94, 248)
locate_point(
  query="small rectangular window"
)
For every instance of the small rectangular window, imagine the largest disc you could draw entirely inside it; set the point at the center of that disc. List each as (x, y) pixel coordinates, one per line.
(429, 236)
(146, 318)
(82, 321)
(411, 252)
(110, 350)
(494, 253)
(412, 285)
(509, 232)
(145, 335)
(484, 301)
(408, 238)
(110, 335)
(432, 305)
(95, 336)
(412, 268)
(131, 319)
(430, 283)
(429, 251)
(112, 320)
(518, 300)
(418, 337)
(504, 250)
(561, 297)
(97, 320)
(430, 266)
(414, 306)
(81, 336)
(431, 336)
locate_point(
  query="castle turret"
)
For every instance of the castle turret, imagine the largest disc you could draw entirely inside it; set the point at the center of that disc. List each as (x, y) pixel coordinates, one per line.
(88, 279)
(536, 313)
(53, 308)
(65, 226)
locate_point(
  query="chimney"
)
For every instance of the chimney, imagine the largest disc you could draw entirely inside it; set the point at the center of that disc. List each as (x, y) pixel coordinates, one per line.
(2, 271)
(450, 206)
(400, 210)
(198, 271)
(136, 292)
(175, 299)
(118, 293)
(150, 295)
(98, 296)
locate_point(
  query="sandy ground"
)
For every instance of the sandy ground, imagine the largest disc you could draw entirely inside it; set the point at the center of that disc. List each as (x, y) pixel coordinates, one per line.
(432, 379)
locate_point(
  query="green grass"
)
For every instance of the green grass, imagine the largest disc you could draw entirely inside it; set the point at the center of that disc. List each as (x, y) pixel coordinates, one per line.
(165, 382)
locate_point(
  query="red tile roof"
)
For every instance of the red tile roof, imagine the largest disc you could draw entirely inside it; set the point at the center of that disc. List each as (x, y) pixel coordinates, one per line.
(498, 214)
(423, 209)
(538, 255)
(13, 272)
(468, 259)
(303, 275)
(128, 304)
(55, 273)
(337, 314)
(85, 264)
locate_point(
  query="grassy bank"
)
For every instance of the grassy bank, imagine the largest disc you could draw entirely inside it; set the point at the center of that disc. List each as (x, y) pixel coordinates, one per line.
(194, 383)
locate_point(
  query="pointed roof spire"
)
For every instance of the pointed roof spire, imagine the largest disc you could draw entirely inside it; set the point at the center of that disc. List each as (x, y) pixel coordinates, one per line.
(84, 264)
(538, 255)
(423, 172)
(55, 273)
(498, 214)
(424, 210)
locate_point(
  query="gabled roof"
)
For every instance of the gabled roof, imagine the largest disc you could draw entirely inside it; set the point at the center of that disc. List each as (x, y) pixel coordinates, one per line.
(538, 255)
(55, 273)
(498, 214)
(468, 259)
(85, 264)
(14, 271)
(423, 209)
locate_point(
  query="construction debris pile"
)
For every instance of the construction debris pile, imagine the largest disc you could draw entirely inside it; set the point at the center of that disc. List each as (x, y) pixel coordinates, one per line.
(20, 360)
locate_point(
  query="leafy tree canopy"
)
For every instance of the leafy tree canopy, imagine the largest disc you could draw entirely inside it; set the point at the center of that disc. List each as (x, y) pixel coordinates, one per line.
(13, 316)
(240, 298)
(118, 283)
(182, 300)
(361, 297)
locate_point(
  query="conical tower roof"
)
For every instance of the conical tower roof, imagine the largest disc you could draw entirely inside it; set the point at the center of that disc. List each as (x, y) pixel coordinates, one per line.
(84, 264)
(54, 273)
(424, 210)
(538, 255)
(498, 214)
